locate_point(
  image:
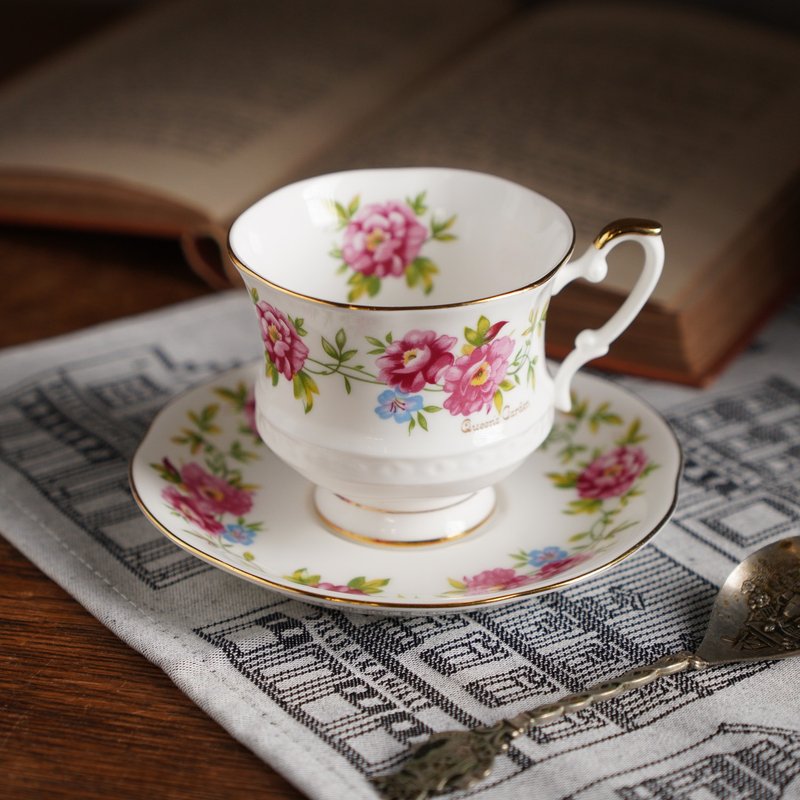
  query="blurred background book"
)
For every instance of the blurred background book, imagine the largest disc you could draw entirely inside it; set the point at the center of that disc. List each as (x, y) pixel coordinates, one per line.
(162, 121)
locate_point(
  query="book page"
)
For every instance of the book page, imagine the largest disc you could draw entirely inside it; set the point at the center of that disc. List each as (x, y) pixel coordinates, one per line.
(212, 103)
(616, 111)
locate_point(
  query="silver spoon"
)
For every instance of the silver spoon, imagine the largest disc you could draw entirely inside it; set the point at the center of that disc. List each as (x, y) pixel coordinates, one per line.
(756, 616)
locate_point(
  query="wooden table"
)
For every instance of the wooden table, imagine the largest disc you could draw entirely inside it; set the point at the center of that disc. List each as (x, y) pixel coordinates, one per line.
(81, 714)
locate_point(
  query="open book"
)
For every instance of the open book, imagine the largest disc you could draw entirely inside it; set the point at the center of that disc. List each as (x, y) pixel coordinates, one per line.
(178, 119)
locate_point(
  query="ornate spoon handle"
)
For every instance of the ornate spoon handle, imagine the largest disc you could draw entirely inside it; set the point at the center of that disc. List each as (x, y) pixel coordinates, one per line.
(459, 759)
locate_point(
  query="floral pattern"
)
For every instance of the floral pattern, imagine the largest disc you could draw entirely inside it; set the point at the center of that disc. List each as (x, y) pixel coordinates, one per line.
(491, 580)
(190, 508)
(420, 372)
(416, 360)
(385, 240)
(359, 585)
(604, 482)
(216, 495)
(239, 533)
(474, 380)
(611, 474)
(205, 465)
(601, 486)
(284, 348)
(500, 579)
(397, 405)
(208, 491)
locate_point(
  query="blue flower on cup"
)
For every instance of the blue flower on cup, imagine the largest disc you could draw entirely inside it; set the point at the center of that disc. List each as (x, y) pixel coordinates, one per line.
(397, 405)
(238, 534)
(538, 558)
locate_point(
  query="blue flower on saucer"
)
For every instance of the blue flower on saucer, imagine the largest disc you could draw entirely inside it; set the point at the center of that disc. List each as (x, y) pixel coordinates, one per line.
(238, 534)
(538, 558)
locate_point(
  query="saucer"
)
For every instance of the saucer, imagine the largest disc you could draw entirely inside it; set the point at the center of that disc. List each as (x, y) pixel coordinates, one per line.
(601, 486)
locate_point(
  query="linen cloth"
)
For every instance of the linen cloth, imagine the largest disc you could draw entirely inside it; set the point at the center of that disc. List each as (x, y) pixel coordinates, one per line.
(329, 698)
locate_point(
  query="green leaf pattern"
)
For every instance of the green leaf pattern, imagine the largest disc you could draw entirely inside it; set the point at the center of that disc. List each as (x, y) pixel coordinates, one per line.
(586, 466)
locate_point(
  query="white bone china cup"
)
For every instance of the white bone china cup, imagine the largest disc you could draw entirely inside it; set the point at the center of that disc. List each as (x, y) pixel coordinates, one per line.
(402, 316)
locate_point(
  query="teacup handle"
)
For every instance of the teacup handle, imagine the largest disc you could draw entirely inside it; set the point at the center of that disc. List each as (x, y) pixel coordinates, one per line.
(593, 266)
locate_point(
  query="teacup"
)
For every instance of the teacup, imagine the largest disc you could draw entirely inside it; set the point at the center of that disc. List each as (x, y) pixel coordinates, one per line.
(402, 314)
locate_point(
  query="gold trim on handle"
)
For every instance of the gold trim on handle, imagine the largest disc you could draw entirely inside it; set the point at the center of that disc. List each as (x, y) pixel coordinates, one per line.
(624, 227)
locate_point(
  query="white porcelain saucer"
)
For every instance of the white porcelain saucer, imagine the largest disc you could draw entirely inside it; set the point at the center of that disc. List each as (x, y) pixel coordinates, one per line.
(603, 485)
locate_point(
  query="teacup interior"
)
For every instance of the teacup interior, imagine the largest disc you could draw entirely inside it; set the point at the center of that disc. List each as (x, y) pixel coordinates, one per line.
(402, 237)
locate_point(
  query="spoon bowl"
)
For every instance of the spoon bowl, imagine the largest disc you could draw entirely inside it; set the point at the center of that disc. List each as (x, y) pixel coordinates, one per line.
(756, 615)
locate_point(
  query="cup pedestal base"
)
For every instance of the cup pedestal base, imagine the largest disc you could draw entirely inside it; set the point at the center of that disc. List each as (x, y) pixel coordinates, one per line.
(408, 523)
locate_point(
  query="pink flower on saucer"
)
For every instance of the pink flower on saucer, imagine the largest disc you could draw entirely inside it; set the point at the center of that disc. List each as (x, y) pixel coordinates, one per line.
(335, 587)
(419, 358)
(553, 568)
(493, 580)
(383, 239)
(249, 412)
(612, 474)
(192, 510)
(283, 345)
(214, 495)
(473, 380)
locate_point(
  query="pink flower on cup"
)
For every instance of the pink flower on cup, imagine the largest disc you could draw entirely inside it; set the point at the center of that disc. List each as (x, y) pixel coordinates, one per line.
(554, 568)
(611, 474)
(419, 358)
(214, 495)
(498, 579)
(473, 379)
(382, 239)
(192, 509)
(284, 347)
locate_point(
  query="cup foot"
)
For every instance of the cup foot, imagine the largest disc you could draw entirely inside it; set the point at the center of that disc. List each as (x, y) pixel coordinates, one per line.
(413, 523)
